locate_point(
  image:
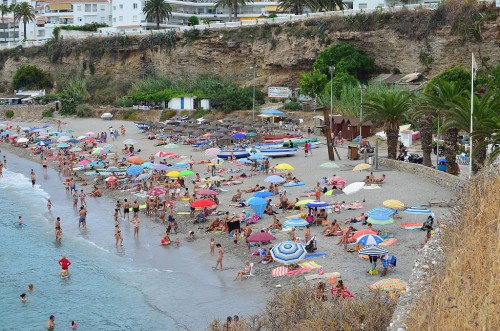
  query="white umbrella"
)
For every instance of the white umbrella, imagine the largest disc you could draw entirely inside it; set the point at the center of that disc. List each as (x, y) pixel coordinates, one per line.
(353, 188)
(22, 140)
(212, 152)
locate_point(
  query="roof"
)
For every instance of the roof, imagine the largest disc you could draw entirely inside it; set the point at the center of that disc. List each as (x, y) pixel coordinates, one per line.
(352, 120)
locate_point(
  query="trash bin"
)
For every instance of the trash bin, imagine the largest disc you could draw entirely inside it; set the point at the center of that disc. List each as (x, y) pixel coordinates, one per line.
(370, 160)
(352, 152)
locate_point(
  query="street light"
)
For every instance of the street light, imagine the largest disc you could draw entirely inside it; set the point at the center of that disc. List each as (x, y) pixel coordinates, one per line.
(361, 87)
(332, 70)
(254, 67)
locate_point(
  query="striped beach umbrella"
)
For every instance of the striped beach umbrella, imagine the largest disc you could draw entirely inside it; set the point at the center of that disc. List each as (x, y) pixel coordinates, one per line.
(389, 285)
(369, 240)
(380, 214)
(288, 252)
(372, 251)
(295, 223)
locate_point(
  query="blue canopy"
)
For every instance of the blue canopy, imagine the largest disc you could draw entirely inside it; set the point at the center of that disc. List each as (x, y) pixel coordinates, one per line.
(295, 222)
(135, 170)
(288, 252)
(258, 205)
(316, 204)
(263, 194)
(274, 112)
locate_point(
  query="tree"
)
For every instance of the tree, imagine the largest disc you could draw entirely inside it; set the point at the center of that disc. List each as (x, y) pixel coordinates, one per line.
(237, 3)
(458, 75)
(25, 12)
(328, 5)
(31, 77)
(339, 81)
(345, 58)
(389, 109)
(296, 6)
(223, 4)
(311, 84)
(157, 10)
(193, 20)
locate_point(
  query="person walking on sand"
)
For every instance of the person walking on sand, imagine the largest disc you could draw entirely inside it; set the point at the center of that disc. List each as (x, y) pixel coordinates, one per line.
(33, 177)
(220, 256)
(212, 246)
(137, 222)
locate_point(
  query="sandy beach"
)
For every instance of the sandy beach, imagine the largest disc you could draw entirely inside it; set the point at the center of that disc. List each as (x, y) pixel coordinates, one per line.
(410, 189)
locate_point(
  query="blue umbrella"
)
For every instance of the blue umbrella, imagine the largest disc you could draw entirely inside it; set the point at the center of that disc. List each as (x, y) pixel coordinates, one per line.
(274, 112)
(316, 204)
(239, 135)
(295, 222)
(263, 194)
(181, 165)
(48, 142)
(134, 170)
(73, 141)
(96, 163)
(258, 205)
(418, 210)
(288, 252)
(369, 239)
(34, 128)
(381, 214)
(40, 143)
(245, 160)
(274, 179)
(147, 164)
(63, 145)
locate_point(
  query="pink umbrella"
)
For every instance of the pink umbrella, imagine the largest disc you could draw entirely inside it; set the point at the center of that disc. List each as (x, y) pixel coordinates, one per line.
(111, 179)
(84, 162)
(206, 192)
(260, 237)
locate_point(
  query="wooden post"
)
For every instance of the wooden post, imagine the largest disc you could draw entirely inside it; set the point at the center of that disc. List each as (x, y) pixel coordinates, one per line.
(328, 133)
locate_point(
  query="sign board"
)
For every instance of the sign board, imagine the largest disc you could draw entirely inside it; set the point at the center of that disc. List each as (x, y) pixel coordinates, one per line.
(279, 92)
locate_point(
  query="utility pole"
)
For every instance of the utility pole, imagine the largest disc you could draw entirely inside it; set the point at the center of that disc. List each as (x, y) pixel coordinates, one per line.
(328, 133)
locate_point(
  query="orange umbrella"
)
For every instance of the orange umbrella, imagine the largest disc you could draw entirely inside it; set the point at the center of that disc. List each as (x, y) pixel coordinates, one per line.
(135, 160)
(362, 233)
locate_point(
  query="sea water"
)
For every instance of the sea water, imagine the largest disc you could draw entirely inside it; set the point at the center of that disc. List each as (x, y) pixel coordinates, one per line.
(140, 286)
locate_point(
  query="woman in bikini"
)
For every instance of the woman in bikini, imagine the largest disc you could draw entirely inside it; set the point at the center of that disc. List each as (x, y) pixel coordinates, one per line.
(118, 235)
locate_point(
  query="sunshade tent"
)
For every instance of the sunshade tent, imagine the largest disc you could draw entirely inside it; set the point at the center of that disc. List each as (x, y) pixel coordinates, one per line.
(258, 205)
(203, 203)
(389, 285)
(372, 251)
(134, 170)
(262, 237)
(288, 252)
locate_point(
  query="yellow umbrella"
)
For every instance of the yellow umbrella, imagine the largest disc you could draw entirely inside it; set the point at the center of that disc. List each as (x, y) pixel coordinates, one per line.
(284, 166)
(173, 174)
(303, 202)
(362, 166)
(393, 204)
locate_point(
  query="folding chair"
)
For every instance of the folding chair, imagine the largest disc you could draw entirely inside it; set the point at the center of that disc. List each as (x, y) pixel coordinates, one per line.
(250, 274)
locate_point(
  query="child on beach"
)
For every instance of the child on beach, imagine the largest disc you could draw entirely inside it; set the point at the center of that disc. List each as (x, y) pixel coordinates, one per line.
(212, 246)
(220, 256)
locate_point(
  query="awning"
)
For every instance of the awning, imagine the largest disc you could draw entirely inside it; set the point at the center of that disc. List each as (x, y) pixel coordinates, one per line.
(40, 20)
(60, 6)
(248, 18)
(271, 8)
(66, 17)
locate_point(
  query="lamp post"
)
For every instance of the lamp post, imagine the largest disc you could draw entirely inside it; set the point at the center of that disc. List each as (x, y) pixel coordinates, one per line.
(254, 67)
(361, 87)
(332, 70)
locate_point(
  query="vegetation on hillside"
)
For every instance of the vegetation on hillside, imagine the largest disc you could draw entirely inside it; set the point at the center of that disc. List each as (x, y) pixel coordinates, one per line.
(31, 77)
(462, 292)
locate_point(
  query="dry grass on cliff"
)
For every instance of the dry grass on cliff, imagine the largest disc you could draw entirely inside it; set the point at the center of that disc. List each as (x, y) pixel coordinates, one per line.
(293, 309)
(464, 293)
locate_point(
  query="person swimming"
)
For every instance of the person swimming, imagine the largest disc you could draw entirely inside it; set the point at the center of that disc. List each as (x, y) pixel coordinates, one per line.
(73, 325)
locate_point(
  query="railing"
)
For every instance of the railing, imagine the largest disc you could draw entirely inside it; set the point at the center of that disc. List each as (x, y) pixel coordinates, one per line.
(135, 107)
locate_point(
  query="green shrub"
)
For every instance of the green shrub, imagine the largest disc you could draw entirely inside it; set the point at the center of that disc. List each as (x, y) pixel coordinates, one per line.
(272, 15)
(192, 35)
(48, 113)
(124, 102)
(89, 27)
(167, 114)
(31, 77)
(199, 113)
(83, 110)
(193, 20)
(292, 105)
(132, 115)
(9, 114)
(345, 58)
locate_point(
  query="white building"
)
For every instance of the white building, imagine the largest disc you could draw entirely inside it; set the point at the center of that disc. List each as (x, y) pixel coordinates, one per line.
(372, 4)
(188, 103)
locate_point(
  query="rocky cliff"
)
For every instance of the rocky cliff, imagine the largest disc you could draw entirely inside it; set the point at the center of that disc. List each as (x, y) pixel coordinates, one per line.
(426, 41)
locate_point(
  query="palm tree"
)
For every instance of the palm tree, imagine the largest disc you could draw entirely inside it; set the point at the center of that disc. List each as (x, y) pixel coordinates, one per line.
(388, 109)
(25, 12)
(5, 10)
(296, 6)
(157, 10)
(237, 3)
(430, 106)
(226, 3)
(328, 5)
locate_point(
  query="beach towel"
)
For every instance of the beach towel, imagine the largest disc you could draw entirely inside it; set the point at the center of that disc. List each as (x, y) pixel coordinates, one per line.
(388, 242)
(323, 276)
(309, 265)
(279, 271)
(293, 184)
(313, 255)
(298, 271)
(412, 226)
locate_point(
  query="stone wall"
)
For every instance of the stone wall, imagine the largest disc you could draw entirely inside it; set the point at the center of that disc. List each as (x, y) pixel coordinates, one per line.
(454, 183)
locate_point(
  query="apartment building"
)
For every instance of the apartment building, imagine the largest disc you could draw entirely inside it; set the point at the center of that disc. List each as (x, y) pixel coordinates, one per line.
(372, 4)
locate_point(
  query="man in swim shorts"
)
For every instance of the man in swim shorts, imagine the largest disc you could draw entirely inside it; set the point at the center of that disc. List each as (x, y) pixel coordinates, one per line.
(126, 209)
(33, 178)
(64, 263)
(83, 216)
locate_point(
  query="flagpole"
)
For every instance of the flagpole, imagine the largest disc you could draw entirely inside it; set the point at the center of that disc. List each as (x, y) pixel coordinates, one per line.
(471, 112)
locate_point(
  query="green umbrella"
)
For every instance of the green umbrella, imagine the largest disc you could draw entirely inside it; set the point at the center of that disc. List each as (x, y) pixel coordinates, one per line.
(329, 165)
(186, 173)
(251, 134)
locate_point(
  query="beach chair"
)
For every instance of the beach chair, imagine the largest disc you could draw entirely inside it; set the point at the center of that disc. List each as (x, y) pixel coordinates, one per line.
(250, 273)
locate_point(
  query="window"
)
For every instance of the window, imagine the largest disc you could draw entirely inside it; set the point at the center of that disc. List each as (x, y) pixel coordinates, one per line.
(134, 18)
(114, 19)
(114, 7)
(88, 8)
(79, 8)
(134, 6)
(120, 18)
(363, 6)
(121, 6)
(103, 7)
(94, 7)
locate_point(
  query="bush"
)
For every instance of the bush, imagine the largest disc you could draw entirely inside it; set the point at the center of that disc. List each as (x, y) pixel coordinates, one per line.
(31, 77)
(132, 115)
(193, 20)
(48, 113)
(292, 105)
(89, 27)
(83, 110)
(345, 58)
(124, 102)
(167, 114)
(9, 114)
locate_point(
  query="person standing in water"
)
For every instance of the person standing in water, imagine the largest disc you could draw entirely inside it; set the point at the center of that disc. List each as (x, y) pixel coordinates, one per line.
(220, 256)
(44, 165)
(49, 204)
(64, 263)
(83, 217)
(51, 323)
(58, 229)
(33, 178)
(118, 235)
(126, 209)
(136, 222)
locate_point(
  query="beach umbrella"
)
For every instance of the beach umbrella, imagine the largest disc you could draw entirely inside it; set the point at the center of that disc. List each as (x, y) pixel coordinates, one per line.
(135, 160)
(203, 203)
(147, 164)
(380, 213)
(73, 140)
(206, 192)
(84, 162)
(372, 251)
(262, 237)
(142, 177)
(316, 204)
(111, 179)
(81, 137)
(252, 134)
(159, 167)
(156, 191)
(362, 166)
(54, 133)
(210, 152)
(181, 165)
(393, 204)
(173, 174)
(380, 222)
(5, 133)
(274, 179)
(89, 140)
(334, 192)
(22, 140)
(134, 170)
(258, 205)
(63, 145)
(63, 139)
(273, 112)
(295, 223)
(263, 194)
(330, 165)
(96, 163)
(418, 210)
(389, 285)
(112, 169)
(303, 202)
(353, 188)
(171, 145)
(239, 135)
(99, 151)
(129, 141)
(186, 172)
(245, 160)
(258, 157)
(369, 239)
(361, 233)
(90, 133)
(284, 166)
(41, 143)
(288, 252)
